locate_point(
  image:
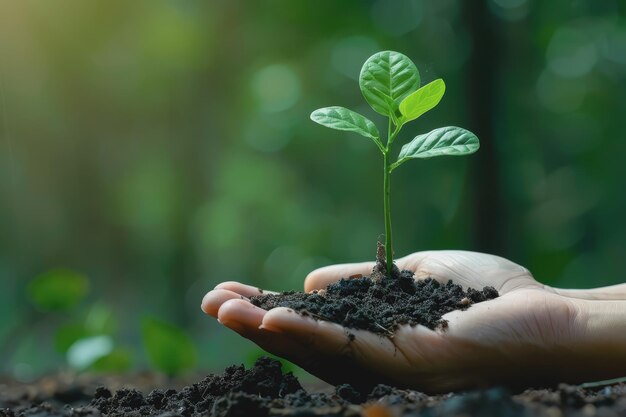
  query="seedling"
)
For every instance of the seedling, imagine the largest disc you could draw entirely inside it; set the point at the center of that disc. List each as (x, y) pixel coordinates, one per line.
(390, 83)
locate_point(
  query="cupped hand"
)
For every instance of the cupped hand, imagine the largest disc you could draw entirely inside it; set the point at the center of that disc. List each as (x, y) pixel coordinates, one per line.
(525, 336)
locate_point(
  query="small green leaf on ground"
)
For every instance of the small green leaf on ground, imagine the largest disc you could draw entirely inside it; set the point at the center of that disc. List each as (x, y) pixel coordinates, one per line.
(388, 75)
(84, 352)
(169, 348)
(340, 118)
(448, 140)
(118, 360)
(58, 290)
(424, 99)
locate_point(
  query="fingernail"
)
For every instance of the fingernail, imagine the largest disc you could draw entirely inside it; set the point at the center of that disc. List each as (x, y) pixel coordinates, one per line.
(270, 328)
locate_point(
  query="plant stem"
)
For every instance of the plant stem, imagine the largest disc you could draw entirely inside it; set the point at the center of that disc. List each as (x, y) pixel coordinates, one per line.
(387, 209)
(388, 167)
(387, 199)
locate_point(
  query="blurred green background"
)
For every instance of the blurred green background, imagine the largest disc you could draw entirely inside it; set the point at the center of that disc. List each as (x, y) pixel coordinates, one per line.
(151, 149)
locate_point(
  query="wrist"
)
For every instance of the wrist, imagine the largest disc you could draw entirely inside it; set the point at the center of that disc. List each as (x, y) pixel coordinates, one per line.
(605, 321)
(602, 337)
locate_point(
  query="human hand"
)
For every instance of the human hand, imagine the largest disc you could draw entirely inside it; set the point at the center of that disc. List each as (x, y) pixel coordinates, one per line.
(529, 335)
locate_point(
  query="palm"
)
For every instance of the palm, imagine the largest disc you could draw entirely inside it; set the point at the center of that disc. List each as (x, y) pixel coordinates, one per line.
(479, 346)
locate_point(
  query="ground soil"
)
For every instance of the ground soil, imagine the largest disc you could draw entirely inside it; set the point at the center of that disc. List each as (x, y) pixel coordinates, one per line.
(264, 391)
(378, 303)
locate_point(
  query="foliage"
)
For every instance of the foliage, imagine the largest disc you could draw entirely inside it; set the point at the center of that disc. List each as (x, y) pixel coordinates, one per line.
(58, 290)
(169, 349)
(86, 351)
(117, 360)
(85, 338)
(390, 83)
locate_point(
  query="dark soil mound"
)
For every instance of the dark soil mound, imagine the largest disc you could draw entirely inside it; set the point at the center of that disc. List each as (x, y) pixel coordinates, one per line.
(264, 391)
(380, 304)
(248, 392)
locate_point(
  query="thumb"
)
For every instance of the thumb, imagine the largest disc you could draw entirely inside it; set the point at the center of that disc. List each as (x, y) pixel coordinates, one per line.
(322, 277)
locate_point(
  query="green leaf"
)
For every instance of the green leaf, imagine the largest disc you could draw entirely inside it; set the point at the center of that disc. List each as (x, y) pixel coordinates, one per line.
(169, 349)
(340, 118)
(84, 352)
(99, 319)
(386, 78)
(118, 361)
(58, 290)
(66, 335)
(424, 99)
(448, 140)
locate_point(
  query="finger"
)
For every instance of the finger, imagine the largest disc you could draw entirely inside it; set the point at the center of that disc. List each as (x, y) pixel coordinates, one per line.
(412, 357)
(325, 339)
(462, 267)
(213, 300)
(322, 277)
(243, 289)
(244, 318)
(238, 314)
(332, 339)
(414, 262)
(469, 269)
(332, 368)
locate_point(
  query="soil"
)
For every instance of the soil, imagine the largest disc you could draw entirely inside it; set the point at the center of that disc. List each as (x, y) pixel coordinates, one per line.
(265, 391)
(378, 303)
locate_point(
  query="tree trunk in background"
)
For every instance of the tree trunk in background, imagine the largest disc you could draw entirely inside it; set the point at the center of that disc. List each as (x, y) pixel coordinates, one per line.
(488, 231)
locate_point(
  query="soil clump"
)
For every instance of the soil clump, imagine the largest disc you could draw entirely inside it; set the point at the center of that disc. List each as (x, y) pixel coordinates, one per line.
(378, 303)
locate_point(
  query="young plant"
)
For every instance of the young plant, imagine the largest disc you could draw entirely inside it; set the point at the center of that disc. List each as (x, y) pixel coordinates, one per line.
(390, 83)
